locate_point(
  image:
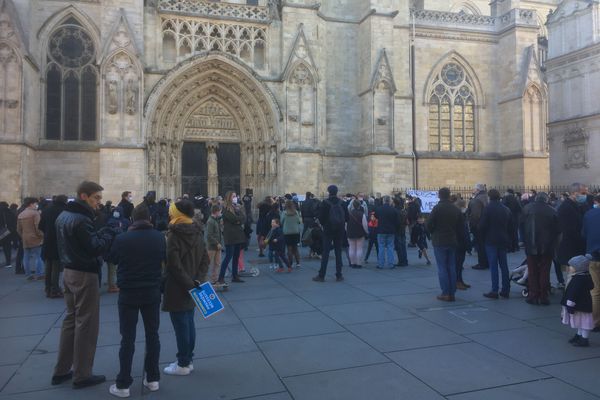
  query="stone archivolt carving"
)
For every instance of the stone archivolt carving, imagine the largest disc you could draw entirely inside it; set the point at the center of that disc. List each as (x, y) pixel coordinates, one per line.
(575, 144)
(211, 9)
(211, 120)
(245, 42)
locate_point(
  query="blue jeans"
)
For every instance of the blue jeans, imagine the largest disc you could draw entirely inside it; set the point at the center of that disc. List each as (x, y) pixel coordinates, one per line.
(400, 245)
(497, 257)
(185, 334)
(445, 257)
(386, 246)
(232, 254)
(30, 256)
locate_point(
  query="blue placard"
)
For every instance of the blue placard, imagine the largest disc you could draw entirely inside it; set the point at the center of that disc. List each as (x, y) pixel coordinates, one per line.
(206, 300)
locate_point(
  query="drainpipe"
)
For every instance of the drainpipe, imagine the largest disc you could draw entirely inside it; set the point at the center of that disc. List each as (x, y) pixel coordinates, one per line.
(414, 107)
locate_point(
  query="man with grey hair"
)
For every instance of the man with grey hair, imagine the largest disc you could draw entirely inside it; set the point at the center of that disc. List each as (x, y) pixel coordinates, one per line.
(479, 201)
(570, 220)
(540, 227)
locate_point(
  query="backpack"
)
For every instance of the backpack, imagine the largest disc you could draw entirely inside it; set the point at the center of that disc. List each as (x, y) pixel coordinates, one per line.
(337, 216)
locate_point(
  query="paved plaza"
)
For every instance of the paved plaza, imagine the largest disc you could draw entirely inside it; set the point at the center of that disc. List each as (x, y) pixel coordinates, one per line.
(378, 335)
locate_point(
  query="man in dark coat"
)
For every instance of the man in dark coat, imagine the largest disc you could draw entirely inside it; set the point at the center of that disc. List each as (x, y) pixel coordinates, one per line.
(150, 202)
(80, 247)
(333, 216)
(8, 220)
(444, 224)
(513, 204)
(540, 225)
(139, 253)
(309, 209)
(474, 211)
(494, 229)
(570, 221)
(50, 246)
(126, 204)
(387, 229)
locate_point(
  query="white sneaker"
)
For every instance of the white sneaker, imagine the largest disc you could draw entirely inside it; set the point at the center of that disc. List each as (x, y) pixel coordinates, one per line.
(118, 392)
(175, 364)
(174, 369)
(152, 386)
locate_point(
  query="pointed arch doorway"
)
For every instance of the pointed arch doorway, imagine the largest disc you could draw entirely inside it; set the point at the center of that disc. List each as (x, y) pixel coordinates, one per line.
(211, 127)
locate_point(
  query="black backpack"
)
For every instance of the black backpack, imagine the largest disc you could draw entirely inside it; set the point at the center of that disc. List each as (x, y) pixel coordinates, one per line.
(337, 216)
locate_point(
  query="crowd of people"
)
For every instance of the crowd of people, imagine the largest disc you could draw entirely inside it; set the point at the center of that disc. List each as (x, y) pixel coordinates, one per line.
(157, 251)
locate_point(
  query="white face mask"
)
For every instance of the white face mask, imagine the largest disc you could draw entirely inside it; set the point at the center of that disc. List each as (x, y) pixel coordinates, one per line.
(130, 198)
(116, 214)
(234, 200)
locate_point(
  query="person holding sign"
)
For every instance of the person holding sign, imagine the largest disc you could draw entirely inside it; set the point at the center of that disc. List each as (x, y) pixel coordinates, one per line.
(187, 267)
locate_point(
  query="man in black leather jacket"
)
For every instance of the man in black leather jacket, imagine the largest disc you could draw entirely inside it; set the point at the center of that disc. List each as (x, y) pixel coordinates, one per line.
(80, 247)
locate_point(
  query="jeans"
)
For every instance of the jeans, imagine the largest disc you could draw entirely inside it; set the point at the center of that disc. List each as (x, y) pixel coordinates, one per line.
(281, 259)
(332, 240)
(232, 253)
(33, 255)
(128, 318)
(400, 246)
(445, 257)
(497, 257)
(185, 334)
(53, 270)
(386, 246)
(372, 242)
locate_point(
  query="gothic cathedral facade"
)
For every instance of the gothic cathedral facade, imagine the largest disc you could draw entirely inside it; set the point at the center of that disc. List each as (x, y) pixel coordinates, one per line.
(204, 96)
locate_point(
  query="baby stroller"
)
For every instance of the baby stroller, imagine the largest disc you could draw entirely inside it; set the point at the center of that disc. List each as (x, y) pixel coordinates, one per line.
(519, 276)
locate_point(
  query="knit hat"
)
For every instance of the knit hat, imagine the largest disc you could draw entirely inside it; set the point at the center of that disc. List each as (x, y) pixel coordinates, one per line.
(185, 207)
(332, 190)
(580, 263)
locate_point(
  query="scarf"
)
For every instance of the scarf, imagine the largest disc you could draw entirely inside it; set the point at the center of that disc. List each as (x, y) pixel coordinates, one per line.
(177, 217)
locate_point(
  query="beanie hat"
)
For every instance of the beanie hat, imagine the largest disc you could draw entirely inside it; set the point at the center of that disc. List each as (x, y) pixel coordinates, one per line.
(332, 190)
(185, 207)
(580, 263)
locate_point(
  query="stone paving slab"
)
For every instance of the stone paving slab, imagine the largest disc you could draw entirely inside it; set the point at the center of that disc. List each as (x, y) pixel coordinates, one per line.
(291, 325)
(404, 334)
(380, 382)
(319, 353)
(463, 367)
(584, 374)
(272, 306)
(370, 311)
(27, 325)
(16, 349)
(546, 389)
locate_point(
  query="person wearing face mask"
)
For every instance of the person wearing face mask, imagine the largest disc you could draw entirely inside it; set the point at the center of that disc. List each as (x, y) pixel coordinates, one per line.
(233, 236)
(570, 221)
(591, 233)
(126, 204)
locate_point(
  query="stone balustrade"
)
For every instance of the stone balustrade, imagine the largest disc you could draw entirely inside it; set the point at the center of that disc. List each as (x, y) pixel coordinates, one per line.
(475, 22)
(202, 8)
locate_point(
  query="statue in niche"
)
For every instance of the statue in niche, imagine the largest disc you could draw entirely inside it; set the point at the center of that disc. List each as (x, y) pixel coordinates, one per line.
(151, 160)
(163, 160)
(112, 98)
(261, 162)
(130, 97)
(174, 160)
(249, 160)
(212, 163)
(273, 161)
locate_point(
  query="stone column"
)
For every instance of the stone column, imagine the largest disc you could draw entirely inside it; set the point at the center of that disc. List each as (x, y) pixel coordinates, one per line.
(213, 171)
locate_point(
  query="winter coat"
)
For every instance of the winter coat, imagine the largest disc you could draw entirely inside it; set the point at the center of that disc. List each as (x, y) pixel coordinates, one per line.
(464, 236)
(495, 225)
(476, 207)
(80, 245)
(263, 226)
(578, 292)
(591, 232)
(233, 226)
(570, 222)
(139, 254)
(127, 208)
(357, 227)
(443, 224)
(290, 222)
(309, 208)
(325, 211)
(413, 211)
(48, 227)
(276, 239)
(28, 228)
(540, 229)
(9, 220)
(389, 220)
(214, 233)
(187, 262)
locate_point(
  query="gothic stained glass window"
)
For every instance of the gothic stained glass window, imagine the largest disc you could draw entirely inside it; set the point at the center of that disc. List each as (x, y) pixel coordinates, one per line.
(71, 84)
(452, 111)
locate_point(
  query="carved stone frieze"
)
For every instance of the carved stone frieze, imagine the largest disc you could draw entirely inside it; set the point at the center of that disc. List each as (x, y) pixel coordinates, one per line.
(205, 8)
(575, 146)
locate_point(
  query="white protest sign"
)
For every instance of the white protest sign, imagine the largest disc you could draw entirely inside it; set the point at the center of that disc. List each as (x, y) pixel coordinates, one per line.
(428, 199)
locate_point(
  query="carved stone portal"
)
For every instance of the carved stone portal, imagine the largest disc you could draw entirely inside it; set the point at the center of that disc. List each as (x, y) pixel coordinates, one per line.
(575, 145)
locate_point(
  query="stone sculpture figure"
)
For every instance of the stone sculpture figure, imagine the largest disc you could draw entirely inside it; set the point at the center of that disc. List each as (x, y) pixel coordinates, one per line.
(212, 163)
(113, 105)
(151, 160)
(249, 161)
(261, 162)
(163, 160)
(130, 95)
(273, 161)
(174, 160)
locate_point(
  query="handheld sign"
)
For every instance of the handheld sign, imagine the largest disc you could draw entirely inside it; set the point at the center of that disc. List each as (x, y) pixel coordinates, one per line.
(206, 300)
